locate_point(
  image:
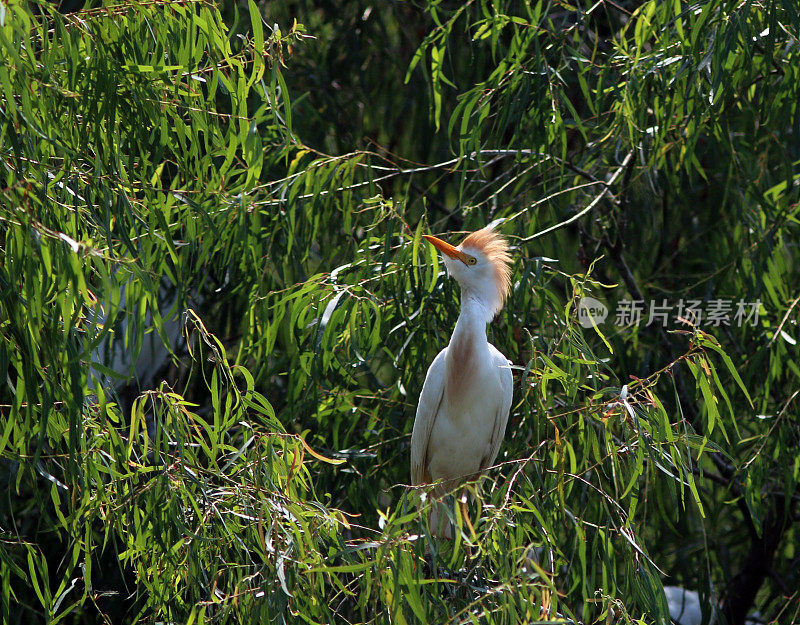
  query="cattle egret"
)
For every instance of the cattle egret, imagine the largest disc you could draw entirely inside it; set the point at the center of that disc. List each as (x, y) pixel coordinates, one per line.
(465, 400)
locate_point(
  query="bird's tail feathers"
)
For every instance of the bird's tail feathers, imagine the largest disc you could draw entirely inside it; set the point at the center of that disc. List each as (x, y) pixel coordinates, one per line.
(439, 521)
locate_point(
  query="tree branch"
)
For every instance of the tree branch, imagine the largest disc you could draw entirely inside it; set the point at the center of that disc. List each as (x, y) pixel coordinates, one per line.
(757, 564)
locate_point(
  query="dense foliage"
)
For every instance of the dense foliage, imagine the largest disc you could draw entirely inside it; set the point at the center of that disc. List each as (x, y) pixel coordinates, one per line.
(243, 187)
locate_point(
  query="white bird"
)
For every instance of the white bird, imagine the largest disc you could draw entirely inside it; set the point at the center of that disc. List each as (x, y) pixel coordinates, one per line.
(465, 400)
(686, 608)
(115, 350)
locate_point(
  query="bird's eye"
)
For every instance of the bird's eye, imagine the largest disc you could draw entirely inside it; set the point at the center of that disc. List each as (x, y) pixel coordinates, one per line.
(471, 260)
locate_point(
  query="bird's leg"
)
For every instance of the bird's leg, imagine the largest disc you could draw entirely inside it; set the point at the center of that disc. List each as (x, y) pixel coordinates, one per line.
(473, 569)
(439, 519)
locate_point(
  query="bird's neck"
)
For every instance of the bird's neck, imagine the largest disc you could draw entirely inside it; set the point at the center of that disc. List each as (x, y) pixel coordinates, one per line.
(475, 309)
(471, 324)
(467, 345)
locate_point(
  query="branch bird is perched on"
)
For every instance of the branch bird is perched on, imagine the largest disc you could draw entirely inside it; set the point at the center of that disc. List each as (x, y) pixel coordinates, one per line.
(465, 400)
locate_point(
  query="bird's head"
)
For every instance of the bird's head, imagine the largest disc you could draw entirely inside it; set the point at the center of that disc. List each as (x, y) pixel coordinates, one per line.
(480, 264)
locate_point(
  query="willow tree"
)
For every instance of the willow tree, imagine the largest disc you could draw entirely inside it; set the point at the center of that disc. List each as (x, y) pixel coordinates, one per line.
(260, 180)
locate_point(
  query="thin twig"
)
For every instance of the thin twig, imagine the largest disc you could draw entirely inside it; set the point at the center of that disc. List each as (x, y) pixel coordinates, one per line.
(591, 205)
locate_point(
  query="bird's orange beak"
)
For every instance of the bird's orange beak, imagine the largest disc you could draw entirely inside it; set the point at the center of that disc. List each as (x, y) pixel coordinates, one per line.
(445, 248)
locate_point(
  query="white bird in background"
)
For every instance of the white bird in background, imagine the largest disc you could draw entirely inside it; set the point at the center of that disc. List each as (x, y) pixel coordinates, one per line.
(115, 350)
(686, 608)
(465, 400)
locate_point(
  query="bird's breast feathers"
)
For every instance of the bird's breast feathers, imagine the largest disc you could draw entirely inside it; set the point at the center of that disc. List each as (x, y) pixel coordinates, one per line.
(464, 426)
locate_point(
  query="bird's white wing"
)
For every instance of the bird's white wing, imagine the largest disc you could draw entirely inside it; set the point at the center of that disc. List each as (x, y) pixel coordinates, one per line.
(504, 406)
(429, 401)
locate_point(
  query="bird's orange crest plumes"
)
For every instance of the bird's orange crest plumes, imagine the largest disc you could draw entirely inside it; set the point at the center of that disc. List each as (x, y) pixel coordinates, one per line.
(495, 248)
